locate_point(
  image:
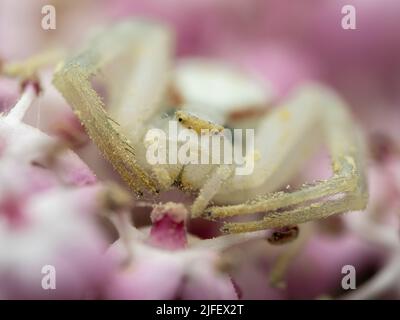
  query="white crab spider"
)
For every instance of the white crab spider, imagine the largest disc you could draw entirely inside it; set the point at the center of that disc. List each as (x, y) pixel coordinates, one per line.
(136, 68)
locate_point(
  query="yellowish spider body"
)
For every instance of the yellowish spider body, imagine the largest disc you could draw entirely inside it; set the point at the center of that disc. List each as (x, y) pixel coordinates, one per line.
(135, 60)
(197, 124)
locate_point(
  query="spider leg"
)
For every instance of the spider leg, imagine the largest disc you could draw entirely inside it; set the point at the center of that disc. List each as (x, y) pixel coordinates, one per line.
(283, 142)
(275, 140)
(345, 191)
(219, 175)
(146, 48)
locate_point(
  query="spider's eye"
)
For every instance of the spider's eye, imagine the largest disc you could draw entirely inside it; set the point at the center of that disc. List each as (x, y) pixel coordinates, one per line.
(180, 119)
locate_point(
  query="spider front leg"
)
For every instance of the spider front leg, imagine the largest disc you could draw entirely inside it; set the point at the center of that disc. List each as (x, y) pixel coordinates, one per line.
(345, 191)
(130, 64)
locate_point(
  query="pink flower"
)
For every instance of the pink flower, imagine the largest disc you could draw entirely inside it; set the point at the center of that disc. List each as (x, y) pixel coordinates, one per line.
(164, 265)
(51, 228)
(48, 203)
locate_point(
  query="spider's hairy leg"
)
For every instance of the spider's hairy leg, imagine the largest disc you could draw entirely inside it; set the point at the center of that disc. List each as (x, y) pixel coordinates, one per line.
(137, 95)
(215, 149)
(274, 157)
(138, 86)
(118, 141)
(346, 190)
(27, 68)
(283, 142)
(219, 175)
